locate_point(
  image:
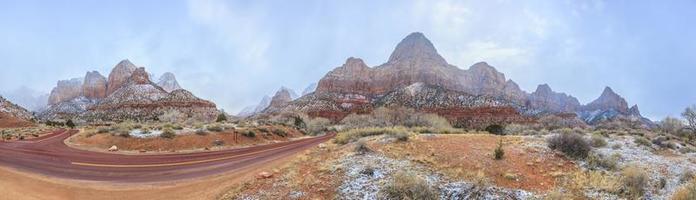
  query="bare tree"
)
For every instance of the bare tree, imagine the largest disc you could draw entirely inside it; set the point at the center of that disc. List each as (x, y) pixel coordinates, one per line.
(690, 115)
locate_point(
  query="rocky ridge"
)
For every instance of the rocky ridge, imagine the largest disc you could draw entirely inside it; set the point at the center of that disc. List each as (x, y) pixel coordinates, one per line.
(356, 87)
(128, 94)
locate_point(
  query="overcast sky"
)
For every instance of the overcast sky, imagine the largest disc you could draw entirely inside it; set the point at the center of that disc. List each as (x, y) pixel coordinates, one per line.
(234, 52)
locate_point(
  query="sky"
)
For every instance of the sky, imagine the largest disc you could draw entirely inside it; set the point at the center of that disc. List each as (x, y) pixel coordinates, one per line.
(235, 52)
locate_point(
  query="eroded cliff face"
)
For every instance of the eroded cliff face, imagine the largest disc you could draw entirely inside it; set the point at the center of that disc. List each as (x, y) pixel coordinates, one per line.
(415, 60)
(168, 82)
(94, 86)
(129, 94)
(355, 87)
(65, 90)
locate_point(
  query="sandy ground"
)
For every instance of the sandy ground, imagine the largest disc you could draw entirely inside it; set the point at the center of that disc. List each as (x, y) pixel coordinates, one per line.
(18, 185)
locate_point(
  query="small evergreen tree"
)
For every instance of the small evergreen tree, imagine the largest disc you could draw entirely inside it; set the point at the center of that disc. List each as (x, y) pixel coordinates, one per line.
(221, 117)
(70, 123)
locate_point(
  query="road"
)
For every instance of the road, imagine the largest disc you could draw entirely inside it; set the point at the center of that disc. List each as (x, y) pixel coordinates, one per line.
(48, 155)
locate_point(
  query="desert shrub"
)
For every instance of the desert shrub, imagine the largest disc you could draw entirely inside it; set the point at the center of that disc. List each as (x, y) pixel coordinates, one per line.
(401, 136)
(249, 133)
(168, 133)
(103, 130)
(642, 141)
(354, 134)
(218, 143)
(215, 128)
(597, 161)
(687, 176)
(571, 144)
(598, 141)
(405, 185)
(201, 132)
(221, 117)
(362, 148)
(553, 122)
(318, 125)
(495, 129)
(687, 149)
(517, 129)
(671, 125)
(172, 116)
(426, 120)
(280, 132)
(686, 192)
(395, 116)
(499, 152)
(70, 123)
(633, 181)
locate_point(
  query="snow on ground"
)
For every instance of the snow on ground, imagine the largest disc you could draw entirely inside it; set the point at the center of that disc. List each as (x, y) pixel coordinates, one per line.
(671, 168)
(367, 174)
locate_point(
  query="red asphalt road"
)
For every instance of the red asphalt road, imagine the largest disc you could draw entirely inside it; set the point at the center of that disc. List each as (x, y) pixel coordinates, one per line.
(48, 155)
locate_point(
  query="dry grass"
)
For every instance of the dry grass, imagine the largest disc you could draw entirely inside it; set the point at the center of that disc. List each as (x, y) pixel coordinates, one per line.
(634, 180)
(470, 157)
(353, 135)
(686, 192)
(188, 141)
(405, 185)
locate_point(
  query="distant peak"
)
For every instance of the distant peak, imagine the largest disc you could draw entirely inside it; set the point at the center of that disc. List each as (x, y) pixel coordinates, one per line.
(543, 88)
(414, 46)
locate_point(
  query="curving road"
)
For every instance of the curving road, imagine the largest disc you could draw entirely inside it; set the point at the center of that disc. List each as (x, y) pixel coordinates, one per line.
(48, 155)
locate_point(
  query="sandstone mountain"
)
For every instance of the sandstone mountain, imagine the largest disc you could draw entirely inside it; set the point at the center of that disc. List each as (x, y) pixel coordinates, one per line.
(94, 86)
(12, 115)
(128, 94)
(355, 87)
(168, 82)
(546, 100)
(119, 75)
(65, 90)
(252, 110)
(281, 98)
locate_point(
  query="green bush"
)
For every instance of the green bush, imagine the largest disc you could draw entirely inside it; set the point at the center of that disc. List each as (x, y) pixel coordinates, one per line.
(598, 141)
(280, 132)
(405, 185)
(495, 129)
(168, 133)
(70, 123)
(201, 132)
(499, 152)
(215, 128)
(642, 141)
(249, 133)
(571, 144)
(221, 117)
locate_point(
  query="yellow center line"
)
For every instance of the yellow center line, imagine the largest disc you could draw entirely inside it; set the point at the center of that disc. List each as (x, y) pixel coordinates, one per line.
(173, 164)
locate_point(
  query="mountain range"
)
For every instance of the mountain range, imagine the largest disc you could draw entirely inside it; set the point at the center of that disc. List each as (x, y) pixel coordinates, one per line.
(416, 76)
(127, 93)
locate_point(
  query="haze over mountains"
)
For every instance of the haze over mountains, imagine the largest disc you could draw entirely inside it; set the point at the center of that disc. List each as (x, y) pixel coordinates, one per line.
(417, 76)
(127, 94)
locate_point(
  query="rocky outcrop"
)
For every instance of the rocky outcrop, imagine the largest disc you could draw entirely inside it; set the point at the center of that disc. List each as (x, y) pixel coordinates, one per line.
(416, 60)
(281, 98)
(633, 111)
(12, 115)
(65, 90)
(129, 94)
(168, 82)
(119, 75)
(355, 87)
(140, 98)
(609, 100)
(94, 86)
(545, 100)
